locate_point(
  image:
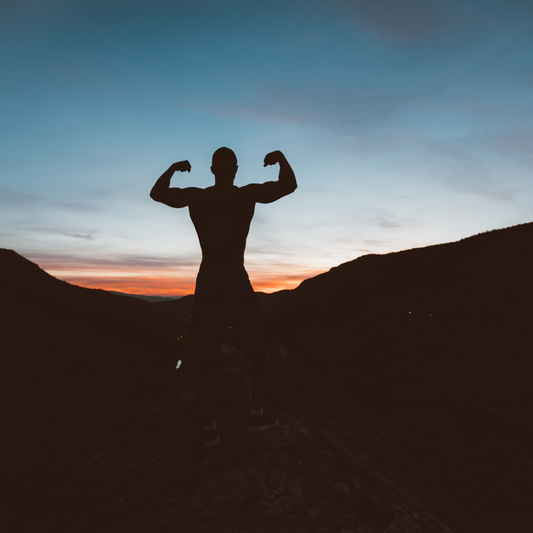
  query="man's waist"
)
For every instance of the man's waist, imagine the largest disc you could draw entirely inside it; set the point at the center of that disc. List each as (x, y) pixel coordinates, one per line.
(221, 266)
(229, 280)
(211, 273)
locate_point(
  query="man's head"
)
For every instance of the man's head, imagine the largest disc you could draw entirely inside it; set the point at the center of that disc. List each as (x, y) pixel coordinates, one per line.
(224, 166)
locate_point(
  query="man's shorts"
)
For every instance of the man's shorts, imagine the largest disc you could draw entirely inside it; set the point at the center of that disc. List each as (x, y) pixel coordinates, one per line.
(221, 299)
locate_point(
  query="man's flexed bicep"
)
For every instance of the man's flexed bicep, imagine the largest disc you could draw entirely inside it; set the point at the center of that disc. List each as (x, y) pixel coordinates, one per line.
(271, 191)
(173, 196)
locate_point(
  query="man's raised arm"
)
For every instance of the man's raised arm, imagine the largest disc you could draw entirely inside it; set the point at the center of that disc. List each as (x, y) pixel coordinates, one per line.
(173, 197)
(271, 191)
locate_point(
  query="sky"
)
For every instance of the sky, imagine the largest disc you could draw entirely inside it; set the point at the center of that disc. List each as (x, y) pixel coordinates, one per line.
(407, 123)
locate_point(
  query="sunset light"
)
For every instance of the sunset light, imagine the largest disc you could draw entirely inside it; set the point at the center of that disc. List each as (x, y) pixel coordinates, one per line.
(406, 123)
(266, 265)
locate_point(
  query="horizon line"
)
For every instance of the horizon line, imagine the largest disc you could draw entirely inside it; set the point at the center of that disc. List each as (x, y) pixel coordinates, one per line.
(166, 287)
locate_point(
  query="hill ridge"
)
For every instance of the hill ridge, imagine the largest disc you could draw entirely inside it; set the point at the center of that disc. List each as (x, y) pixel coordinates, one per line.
(95, 392)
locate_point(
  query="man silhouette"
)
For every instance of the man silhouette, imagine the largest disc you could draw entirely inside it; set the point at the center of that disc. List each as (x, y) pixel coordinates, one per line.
(221, 215)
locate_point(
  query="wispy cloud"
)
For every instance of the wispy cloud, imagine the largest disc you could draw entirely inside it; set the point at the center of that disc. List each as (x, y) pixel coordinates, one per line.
(164, 275)
(125, 263)
(386, 223)
(522, 75)
(168, 275)
(517, 142)
(25, 199)
(66, 154)
(352, 109)
(403, 20)
(86, 236)
(152, 286)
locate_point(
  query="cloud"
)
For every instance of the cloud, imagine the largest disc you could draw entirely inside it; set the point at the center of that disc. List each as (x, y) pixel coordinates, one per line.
(385, 223)
(358, 110)
(412, 22)
(121, 263)
(10, 198)
(24, 199)
(66, 154)
(150, 286)
(516, 142)
(488, 165)
(404, 21)
(474, 181)
(522, 76)
(164, 275)
(86, 236)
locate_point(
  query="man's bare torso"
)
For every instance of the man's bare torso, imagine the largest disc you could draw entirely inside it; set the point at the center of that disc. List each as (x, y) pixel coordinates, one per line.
(222, 217)
(222, 213)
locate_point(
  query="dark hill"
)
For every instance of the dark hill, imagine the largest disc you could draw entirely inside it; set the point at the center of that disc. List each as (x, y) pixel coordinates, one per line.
(148, 298)
(73, 359)
(451, 322)
(415, 340)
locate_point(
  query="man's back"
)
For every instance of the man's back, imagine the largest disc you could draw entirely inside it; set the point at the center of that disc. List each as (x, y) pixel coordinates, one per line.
(222, 217)
(222, 213)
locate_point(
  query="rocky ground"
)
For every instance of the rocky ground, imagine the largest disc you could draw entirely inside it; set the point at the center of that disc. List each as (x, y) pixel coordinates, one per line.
(482, 456)
(323, 468)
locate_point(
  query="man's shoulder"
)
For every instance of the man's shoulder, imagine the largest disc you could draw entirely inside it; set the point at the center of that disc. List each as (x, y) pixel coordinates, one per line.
(214, 194)
(250, 188)
(233, 191)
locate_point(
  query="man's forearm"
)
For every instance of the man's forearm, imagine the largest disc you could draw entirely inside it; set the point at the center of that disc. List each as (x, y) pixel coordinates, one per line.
(286, 174)
(163, 183)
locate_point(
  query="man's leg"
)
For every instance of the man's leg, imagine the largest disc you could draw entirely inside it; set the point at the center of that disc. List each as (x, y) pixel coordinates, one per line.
(250, 327)
(260, 375)
(207, 332)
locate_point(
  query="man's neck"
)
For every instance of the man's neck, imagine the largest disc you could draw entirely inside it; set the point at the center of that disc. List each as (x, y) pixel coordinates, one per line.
(223, 183)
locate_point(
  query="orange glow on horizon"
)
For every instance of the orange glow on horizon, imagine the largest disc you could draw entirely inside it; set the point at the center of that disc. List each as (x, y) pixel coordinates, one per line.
(173, 287)
(136, 285)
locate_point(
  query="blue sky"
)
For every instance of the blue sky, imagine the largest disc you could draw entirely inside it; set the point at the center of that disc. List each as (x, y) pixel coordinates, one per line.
(407, 123)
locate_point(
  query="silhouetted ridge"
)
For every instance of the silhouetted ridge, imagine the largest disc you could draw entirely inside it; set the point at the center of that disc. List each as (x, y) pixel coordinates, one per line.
(91, 375)
(448, 321)
(19, 275)
(17, 272)
(272, 304)
(148, 298)
(73, 359)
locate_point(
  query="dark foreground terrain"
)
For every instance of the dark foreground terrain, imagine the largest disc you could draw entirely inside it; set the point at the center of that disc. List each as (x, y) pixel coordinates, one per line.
(328, 466)
(401, 383)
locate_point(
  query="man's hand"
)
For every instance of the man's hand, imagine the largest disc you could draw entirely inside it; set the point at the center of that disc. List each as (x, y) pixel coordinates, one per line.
(174, 196)
(274, 157)
(161, 191)
(182, 166)
(266, 193)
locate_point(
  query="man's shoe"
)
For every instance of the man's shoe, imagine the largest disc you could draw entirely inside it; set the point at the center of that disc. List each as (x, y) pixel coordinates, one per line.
(210, 438)
(261, 423)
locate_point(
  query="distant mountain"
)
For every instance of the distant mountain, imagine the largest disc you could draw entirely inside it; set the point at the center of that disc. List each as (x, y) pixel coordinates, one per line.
(450, 322)
(271, 303)
(152, 299)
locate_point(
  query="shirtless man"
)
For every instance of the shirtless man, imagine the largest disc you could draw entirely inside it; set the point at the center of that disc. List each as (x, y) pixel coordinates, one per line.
(221, 215)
